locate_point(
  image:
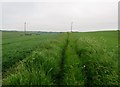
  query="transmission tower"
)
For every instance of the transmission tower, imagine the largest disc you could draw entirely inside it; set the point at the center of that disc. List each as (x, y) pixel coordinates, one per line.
(25, 27)
(71, 26)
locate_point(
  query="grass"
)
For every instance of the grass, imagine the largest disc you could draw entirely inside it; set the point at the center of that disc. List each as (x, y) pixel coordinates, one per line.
(44, 62)
(15, 49)
(98, 69)
(85, 59)
(72, 67)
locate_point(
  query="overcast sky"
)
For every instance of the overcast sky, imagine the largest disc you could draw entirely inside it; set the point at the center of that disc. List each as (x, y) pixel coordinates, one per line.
(86, 15)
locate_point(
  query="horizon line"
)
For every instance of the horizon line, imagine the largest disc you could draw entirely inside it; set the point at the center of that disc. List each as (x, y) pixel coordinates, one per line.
(59, 31)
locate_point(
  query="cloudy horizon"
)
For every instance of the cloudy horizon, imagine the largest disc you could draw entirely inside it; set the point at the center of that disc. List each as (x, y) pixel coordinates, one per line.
(57, 16)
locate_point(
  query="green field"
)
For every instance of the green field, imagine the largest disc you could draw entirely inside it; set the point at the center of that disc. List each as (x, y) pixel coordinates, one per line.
(85, 59)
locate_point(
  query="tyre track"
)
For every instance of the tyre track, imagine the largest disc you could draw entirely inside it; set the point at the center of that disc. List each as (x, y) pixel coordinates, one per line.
(60, 76)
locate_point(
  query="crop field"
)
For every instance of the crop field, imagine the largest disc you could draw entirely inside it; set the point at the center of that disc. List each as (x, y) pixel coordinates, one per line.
(87, 59)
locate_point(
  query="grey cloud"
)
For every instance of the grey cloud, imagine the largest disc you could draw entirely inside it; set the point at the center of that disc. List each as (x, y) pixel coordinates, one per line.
(57, 16)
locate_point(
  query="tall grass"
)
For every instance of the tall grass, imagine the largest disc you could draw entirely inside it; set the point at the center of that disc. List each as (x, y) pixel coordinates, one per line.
(84, 59)
(19, 47)
(73, 67)
(100, 65)
(40, 68)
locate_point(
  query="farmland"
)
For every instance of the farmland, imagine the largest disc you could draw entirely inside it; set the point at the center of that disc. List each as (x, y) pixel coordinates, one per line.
(77, 58)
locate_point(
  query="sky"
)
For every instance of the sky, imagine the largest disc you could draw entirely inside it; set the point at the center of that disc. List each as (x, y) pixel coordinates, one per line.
(86, 15)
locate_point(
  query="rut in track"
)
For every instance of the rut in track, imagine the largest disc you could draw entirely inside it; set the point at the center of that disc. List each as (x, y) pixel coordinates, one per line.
(60, 76)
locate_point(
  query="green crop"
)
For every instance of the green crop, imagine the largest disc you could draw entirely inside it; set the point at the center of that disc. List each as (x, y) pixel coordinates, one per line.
(84, 59)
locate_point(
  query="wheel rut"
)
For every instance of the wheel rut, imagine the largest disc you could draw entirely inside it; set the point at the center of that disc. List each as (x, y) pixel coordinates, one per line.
(60, 76)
